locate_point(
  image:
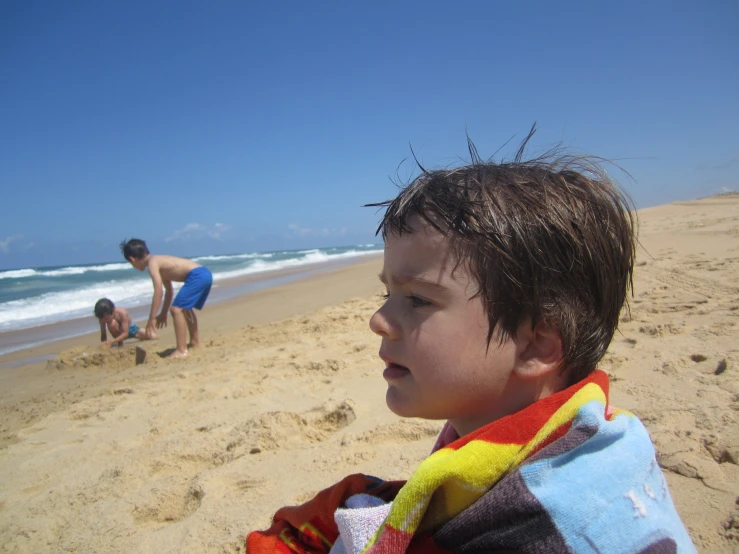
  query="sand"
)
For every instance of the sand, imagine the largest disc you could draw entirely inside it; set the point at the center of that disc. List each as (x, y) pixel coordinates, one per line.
(99, 454)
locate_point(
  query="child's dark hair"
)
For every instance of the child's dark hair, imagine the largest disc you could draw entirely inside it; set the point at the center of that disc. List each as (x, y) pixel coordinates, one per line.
(134, 248)
(549, 240)
(104, 307)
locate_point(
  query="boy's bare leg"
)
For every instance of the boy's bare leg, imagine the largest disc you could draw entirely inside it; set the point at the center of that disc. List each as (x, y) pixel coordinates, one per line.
(142, 335)
(192, 327)
(180, 332)
(114, 328)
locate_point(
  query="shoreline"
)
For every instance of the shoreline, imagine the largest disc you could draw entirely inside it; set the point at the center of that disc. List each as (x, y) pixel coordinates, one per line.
(25, 380)
(35, 344)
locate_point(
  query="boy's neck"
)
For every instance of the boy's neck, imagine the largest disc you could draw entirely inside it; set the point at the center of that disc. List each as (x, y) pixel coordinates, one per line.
(140, 263)
(521, 395)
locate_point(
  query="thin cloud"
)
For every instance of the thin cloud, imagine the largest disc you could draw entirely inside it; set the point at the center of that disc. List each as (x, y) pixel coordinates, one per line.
(198, 231)
(296, 231)
(727, 164)
(5, 243)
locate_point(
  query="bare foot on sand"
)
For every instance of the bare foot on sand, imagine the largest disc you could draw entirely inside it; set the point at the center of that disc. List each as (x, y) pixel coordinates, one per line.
(193, 345)
(177, 354)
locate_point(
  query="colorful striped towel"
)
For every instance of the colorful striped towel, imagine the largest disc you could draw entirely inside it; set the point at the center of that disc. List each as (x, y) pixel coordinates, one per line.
(567, 474)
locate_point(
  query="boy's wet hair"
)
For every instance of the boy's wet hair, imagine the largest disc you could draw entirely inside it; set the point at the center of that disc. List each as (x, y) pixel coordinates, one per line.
(134, 248)
(549, 240)
(104, 307)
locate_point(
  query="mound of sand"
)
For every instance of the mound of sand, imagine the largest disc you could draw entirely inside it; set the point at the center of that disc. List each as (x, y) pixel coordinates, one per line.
(102, 357)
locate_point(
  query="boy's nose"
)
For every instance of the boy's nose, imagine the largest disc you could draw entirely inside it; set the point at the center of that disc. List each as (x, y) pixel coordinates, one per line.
(382, 326)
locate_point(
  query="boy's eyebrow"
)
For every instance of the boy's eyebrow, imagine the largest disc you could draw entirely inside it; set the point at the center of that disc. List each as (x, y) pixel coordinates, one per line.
(409, 280)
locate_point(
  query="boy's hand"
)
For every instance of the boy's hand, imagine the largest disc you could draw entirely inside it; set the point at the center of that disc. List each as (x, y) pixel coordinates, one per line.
(162, 320)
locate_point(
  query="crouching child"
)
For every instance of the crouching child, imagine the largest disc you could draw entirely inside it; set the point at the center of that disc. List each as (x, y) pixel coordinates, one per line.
(118, 322)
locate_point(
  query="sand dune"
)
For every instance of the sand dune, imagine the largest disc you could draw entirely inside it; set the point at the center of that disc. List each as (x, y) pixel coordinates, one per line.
(104, 455)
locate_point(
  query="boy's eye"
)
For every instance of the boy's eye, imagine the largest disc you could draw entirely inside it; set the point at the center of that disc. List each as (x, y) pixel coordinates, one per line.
(417, 302)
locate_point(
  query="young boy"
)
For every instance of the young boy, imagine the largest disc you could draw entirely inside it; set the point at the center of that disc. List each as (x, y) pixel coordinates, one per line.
(193, 294)
(504, 288)
(118, 322)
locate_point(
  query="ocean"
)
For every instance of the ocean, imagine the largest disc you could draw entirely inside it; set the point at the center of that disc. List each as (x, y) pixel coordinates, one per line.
(40, 296)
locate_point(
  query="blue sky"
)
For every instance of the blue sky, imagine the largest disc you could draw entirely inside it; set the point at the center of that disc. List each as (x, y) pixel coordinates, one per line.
(222, 127)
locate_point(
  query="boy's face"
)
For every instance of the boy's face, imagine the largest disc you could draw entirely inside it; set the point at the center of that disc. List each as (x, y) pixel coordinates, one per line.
(106, 319)
(138, 264)
(434, 336)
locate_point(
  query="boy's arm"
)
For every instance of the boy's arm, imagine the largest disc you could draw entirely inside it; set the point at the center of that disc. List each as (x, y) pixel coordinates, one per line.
(294, 527)
(103, 334)
(162, 317)
(156, 300)
(168, 293)
(124, 322)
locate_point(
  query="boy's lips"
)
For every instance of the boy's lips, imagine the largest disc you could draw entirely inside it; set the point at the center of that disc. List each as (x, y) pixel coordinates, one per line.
(393, 370)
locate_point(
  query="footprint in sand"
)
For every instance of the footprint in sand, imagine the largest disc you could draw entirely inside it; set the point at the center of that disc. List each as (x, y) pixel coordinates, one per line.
(248, 484)
(406, 430)
(327, 367)
(275, 430)
(660, 330)
(167, 502)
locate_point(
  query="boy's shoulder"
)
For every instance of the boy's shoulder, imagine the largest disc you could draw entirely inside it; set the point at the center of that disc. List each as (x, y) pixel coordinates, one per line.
(598, 483)
(171, 268)
(161, 260)
(168, 259)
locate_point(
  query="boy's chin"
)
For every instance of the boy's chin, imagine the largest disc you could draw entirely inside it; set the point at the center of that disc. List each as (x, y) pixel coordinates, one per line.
(400, 406)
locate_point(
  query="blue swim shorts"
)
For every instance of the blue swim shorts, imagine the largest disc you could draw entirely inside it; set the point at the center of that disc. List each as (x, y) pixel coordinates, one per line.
(132, 330)
(194, 292)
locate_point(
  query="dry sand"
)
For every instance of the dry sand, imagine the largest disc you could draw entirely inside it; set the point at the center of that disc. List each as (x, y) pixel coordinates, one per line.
(99, 454)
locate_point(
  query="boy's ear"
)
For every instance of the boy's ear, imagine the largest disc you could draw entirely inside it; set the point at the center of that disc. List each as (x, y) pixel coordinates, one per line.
(541, 352)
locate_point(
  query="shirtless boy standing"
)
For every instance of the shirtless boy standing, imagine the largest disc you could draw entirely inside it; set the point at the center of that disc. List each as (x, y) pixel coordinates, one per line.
(193, 294)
